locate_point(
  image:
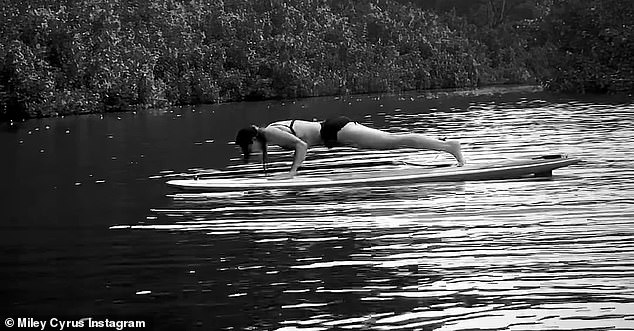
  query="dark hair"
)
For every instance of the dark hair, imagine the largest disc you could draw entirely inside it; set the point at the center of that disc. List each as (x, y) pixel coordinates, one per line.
(244, 138)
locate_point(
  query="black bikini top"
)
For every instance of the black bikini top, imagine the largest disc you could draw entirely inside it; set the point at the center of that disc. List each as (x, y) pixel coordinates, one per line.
(290, 126)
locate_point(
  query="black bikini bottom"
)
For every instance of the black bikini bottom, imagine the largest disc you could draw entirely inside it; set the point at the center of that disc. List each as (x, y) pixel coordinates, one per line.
(330, 128)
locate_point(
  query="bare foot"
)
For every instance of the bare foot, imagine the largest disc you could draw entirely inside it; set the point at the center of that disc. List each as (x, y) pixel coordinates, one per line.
(456, 151)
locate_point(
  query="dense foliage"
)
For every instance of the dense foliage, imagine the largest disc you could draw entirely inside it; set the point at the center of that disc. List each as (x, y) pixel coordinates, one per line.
(568, 45)
(79, 56)
(590, 45)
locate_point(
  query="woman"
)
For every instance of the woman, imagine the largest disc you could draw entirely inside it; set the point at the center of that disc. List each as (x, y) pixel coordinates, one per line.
(298, 135)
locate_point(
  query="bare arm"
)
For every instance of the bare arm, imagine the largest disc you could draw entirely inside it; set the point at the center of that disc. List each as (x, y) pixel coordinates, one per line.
(300, 155)
(284, 139)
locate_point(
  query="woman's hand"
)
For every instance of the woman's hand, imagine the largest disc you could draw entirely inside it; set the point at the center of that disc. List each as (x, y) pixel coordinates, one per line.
(284, 176)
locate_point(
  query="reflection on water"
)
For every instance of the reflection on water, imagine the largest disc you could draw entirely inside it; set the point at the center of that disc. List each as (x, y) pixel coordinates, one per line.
(555, 253)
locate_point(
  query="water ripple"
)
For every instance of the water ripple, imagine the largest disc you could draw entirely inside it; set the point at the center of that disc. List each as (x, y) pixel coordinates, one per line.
(501, 255)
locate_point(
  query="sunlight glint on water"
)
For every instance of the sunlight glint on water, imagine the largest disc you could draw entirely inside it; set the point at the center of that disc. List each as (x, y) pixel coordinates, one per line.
(90, 228)
(511, 255)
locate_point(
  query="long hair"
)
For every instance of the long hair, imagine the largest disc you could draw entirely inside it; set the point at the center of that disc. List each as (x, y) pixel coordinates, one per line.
(244, 139)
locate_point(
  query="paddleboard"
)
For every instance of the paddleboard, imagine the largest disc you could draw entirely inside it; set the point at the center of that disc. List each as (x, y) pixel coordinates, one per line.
(404, 173)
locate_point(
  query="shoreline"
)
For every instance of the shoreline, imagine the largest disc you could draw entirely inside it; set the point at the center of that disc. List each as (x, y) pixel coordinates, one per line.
(466, 91)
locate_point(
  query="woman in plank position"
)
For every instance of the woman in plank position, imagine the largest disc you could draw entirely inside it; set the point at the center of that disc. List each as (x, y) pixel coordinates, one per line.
(298, 135)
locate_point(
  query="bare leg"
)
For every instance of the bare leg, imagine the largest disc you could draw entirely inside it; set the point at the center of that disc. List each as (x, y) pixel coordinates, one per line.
(363, 137)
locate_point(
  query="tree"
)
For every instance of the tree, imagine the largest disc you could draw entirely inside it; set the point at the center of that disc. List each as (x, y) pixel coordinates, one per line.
(590, 45)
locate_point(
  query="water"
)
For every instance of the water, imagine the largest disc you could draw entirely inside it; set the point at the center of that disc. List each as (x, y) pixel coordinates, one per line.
(90, 230)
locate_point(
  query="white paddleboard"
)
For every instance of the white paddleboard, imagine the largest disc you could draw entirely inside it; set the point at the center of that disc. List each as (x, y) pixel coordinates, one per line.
(405, 174)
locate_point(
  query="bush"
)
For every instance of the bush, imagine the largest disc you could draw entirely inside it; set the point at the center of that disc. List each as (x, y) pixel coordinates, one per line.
(590, 46)
(121, 54)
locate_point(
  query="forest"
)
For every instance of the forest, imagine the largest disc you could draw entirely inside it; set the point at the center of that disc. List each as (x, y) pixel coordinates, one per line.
(85, 56)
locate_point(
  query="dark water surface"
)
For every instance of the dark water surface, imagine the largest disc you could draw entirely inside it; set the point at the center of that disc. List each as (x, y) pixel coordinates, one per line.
(89, 229)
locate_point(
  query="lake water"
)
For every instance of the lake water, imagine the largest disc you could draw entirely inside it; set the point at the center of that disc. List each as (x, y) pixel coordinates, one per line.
(89, 228)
